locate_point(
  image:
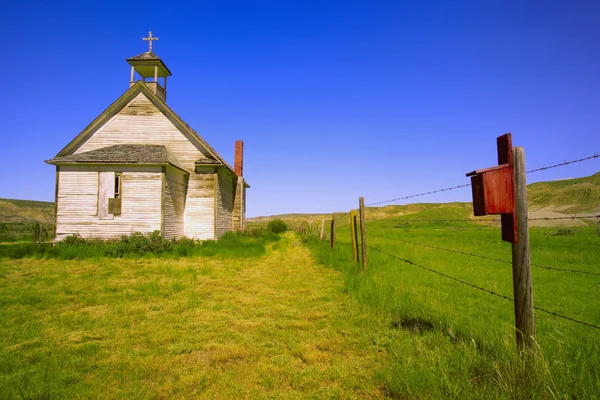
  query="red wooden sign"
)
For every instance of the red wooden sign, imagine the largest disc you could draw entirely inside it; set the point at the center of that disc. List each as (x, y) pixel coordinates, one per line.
(493, 190)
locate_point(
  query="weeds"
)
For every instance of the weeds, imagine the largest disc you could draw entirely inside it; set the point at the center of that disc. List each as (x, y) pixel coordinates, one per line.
(250, 243)
(565, 232)
(277, 226)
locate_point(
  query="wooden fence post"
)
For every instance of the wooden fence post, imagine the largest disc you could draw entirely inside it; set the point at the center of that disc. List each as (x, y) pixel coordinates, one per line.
(41, 231)
(363, 231)
(332, 231)
(524, 313)
(322, 234)
(354, 235)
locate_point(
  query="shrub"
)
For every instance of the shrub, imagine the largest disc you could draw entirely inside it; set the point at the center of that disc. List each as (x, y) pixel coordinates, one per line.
(565, 232)
(250, 243)
(73, 240)
(277, 226)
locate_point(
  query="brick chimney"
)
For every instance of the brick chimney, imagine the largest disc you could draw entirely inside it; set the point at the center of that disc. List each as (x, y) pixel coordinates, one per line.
(238, 164)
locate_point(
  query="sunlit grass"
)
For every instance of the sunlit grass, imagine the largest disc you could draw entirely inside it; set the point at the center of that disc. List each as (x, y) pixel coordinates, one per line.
(276, 326)
(463, 345)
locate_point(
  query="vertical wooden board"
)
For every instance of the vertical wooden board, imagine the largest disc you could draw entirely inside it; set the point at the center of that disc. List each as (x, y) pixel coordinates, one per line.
(106, 191)
(522, 283)
(332, 243)
(363, 232)
(200, 206)
(509, 228)
(175, 187)
(163, 194)
(505, 149)
(224, 202)
(322, 233)
(217, 196)
(499, 192)
(56, 201)
(478, 195)
(353, 235)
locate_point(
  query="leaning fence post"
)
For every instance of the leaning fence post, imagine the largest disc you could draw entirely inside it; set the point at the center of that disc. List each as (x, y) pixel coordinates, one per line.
(363, 231)
(524, 314)
(322, 234)
(353, 234)
(332, 231)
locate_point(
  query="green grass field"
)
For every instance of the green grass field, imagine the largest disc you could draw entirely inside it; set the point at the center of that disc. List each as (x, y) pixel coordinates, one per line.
(464, 340)
(274, 326)
(299, 321)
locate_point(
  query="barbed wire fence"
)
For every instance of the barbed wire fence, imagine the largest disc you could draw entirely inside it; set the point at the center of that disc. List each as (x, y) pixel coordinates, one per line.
(308, 229)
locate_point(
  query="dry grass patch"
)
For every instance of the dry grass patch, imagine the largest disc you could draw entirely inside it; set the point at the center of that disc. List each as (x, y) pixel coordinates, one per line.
(278, 326)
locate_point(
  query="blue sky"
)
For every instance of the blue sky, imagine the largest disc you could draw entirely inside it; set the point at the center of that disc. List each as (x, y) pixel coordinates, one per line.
(333, 99)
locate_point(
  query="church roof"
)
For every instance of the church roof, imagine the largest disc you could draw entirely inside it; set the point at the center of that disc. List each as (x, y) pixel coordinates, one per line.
(113, 109)
(149, 55)
(207, 161)
(122, 154)
(149, 58)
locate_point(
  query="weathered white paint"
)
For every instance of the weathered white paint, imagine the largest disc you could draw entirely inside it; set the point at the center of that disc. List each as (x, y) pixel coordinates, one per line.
(239, 201)
(140, 122)
(78, 192)
(175, 190)
(200, 207)
(106, 191)
(225, 187)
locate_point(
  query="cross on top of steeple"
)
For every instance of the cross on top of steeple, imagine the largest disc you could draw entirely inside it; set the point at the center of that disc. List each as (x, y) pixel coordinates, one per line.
(150, 39)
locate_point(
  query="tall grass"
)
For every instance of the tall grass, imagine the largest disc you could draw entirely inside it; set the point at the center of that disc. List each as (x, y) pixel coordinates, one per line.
(463, 340)
(231, 245)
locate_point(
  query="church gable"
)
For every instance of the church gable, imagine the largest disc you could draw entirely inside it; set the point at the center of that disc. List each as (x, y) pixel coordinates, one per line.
(141, 105)
(141, 122)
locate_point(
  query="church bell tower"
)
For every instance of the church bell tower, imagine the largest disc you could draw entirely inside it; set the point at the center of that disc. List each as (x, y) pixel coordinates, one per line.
(149, 68)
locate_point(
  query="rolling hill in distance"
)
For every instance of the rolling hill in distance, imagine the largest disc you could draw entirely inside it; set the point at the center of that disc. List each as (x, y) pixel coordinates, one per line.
(26, 212)
(546, 199)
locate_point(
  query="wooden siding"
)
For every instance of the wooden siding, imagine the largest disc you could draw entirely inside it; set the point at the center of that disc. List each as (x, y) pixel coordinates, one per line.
(174, 203)
(77, 205)
(239, 200)
(157, 89)
(106, 191)
(225, 189)
(200, 207)
(140, 122)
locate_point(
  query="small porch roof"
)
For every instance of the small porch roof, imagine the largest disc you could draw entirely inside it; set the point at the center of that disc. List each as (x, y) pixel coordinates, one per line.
(145, 154)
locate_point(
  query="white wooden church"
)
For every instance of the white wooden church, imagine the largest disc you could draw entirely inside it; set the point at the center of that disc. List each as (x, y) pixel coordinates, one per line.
(138, 167)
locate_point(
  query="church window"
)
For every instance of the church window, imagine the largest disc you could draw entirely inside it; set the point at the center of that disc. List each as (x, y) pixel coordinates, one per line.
(118, 178)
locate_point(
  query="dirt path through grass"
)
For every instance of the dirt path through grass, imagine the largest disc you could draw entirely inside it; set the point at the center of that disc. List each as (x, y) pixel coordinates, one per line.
(278, 326)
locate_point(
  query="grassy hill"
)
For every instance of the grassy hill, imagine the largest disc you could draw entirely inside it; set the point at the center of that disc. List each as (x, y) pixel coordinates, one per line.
(546, 199)
(26, 212)
(567, 196)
